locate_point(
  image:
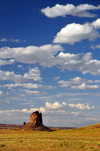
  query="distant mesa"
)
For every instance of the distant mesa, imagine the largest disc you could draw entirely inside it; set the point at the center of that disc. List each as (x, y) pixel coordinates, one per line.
(36, 123)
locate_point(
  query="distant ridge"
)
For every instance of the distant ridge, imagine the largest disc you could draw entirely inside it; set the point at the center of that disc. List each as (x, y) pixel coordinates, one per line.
(94, 126)
(10, 125)
(19, 126)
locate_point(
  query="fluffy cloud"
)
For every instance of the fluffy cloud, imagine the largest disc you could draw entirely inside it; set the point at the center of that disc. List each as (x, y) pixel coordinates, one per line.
(47, 56)
(20, 66)
(82, 62)
(32, 54)
(85, 87)
(79, 80)
(23, 110)
(69, 9)
(82, 106)
(49, 107)
(76, 32)
(96, 24)
(64, 106)
(29, 86)
(55, 105)
(5, 62)
(33, 74)
(76, 80)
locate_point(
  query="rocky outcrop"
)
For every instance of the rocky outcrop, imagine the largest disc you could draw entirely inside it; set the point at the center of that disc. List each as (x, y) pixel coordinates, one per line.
(35, 123)
(24, 123)
(36, 119)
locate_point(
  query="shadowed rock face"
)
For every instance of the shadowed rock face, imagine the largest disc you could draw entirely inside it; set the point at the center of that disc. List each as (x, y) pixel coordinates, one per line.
(35, 123)
(36, 119)
(24, 123)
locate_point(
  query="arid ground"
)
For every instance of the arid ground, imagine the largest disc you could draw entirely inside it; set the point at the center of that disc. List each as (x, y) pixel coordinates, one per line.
(79, 139)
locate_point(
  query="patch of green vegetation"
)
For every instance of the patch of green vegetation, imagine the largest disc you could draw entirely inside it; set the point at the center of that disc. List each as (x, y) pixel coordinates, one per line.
(91, 147)
(81, 146)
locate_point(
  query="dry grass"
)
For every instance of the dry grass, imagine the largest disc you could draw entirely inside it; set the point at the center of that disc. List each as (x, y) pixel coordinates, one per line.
(65, 140)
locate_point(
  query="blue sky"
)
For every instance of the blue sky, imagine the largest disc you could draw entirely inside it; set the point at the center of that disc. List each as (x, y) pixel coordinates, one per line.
(50, 61)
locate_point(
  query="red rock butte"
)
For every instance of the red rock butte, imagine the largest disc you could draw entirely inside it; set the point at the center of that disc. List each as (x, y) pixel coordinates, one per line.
(36, 118)
(35, 123)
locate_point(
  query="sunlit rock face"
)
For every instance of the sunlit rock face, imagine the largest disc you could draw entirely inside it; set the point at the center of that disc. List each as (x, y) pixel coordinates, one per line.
(35, 123)
(36, 119)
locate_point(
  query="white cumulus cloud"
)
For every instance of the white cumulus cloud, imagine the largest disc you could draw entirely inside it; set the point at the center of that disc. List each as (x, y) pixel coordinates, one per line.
(33, 74)
(83, 86)
(55, 105)
(76, 32)
(83, 63)
(32, 54)
(81, 10)
(78, 80)
(5, 62)
(48, 56)
(82, 106)
(21, 66)
(96, 23)
(29, 86)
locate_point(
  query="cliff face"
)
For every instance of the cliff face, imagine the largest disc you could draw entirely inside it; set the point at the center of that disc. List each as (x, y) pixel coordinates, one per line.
(35, 123)
(36, 119)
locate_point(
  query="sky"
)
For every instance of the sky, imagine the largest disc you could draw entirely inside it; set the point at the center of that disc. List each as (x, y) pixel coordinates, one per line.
(50, 61)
